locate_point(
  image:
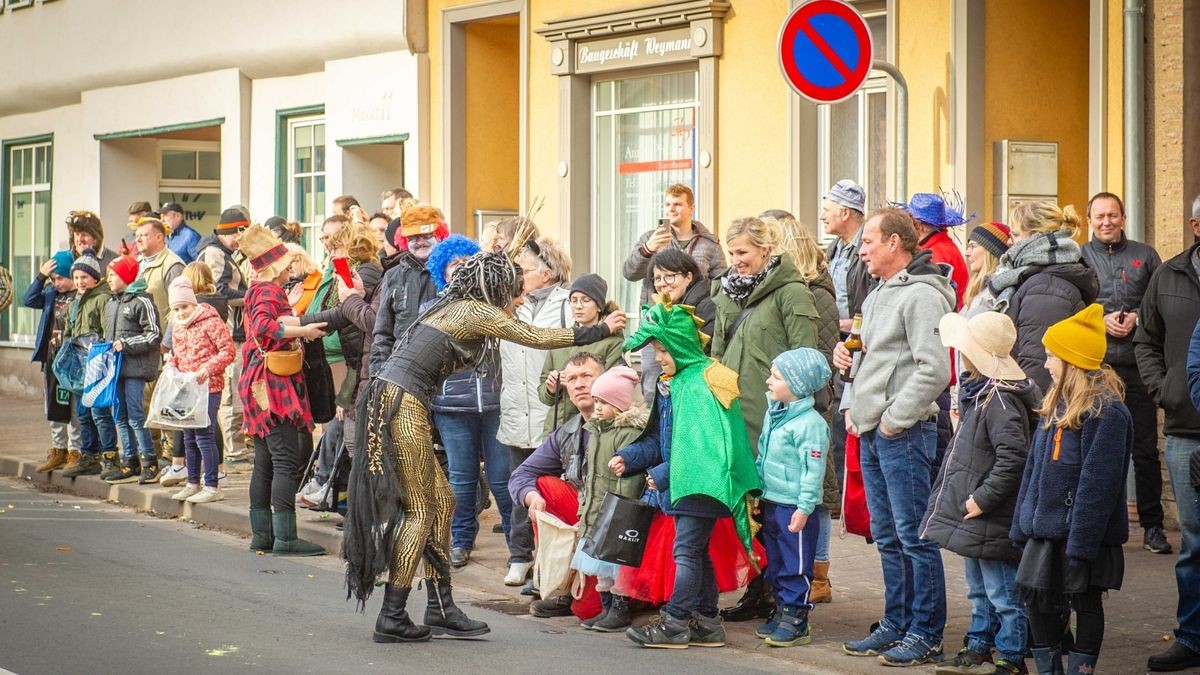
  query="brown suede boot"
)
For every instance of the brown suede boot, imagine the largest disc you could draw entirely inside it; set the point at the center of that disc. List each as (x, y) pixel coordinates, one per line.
(73, 457)
(56, 458)
(821, 590)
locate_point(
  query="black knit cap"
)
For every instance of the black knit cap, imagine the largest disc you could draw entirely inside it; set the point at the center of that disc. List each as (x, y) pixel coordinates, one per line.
(592, 285)
(232, 222)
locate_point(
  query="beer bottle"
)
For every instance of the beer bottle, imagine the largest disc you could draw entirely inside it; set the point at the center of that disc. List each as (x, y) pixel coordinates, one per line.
(854, 345)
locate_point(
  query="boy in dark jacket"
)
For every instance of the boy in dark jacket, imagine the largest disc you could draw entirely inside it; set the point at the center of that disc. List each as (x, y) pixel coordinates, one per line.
(52, 292)
(85, 316)
(971, 506)
(131, 324)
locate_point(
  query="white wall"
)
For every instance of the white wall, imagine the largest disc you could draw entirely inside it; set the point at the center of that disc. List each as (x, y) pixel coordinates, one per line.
(128, 173)
(268, 96)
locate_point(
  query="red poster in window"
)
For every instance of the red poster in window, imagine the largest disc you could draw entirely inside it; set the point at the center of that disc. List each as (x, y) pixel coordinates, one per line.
(656, 165)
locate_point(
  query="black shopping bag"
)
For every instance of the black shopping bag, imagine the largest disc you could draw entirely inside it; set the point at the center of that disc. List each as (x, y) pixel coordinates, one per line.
(619, 535)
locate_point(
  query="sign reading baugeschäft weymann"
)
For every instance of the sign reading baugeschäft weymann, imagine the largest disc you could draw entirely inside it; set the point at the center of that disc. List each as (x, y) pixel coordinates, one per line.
(635, 51)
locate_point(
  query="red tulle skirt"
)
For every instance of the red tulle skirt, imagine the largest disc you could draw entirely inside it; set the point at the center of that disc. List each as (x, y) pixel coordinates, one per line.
(655, 579)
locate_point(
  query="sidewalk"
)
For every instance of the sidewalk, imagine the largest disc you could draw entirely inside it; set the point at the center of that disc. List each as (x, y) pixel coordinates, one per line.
(1138, 618)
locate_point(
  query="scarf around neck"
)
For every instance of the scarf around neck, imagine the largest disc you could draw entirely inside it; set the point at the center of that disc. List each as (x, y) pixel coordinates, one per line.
(739, 287)
(1040, 250)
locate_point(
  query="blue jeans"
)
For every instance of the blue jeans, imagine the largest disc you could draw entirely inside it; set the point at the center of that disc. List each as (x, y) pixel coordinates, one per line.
(200, 447)
(821, 514)
(1187, 570)
(896, 475)
(998, 616)
(470, 438)
(129, 415)
(95, 428)
(789, 554)
(695, 584)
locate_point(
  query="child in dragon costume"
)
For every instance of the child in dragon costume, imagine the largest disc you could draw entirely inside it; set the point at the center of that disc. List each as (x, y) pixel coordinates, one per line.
(695, 452)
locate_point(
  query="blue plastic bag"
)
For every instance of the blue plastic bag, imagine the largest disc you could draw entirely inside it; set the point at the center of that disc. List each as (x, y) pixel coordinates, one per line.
(100, 376)
(70, 364)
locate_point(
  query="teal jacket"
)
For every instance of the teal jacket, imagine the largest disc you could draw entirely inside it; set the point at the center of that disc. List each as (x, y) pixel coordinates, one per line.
(791, 454)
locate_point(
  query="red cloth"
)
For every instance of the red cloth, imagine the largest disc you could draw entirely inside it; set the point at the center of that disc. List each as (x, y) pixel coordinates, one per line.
(562, 502)
(855, 516)
(287, 397)
(946, 252)
(655, 579)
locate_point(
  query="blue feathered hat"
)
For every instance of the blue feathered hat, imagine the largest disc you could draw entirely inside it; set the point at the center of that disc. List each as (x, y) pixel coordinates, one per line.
(937, 211)
(447, 251)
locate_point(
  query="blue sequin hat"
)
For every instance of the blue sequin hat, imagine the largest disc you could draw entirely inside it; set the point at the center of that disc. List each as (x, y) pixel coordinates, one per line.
(937, 211)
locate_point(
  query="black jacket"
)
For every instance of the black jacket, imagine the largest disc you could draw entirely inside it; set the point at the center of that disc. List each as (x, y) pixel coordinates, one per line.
(227, 274)
(858, 281)
(985, 461)
(1170, 310)
(352, 339)
(1123, 269)
(405, 287)
(1045, 296)
(131, 318)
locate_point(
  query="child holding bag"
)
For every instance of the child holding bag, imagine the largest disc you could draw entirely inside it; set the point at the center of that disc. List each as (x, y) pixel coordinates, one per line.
(86, 315)
(1071, 515)
(201, 344)
(52, 292)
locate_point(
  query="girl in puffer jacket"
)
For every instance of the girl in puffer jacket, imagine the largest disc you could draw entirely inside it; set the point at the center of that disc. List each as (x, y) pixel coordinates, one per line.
(201, 344)
(971, 507)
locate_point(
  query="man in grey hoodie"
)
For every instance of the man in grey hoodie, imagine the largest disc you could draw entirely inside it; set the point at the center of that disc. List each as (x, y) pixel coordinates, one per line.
(892, 407)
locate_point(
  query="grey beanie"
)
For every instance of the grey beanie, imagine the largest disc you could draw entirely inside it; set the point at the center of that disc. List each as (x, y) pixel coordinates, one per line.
(594, 286)
(849, 194)
(87, 262)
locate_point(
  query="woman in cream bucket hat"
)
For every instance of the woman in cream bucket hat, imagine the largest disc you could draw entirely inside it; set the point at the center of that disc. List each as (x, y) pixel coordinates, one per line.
(974, 497)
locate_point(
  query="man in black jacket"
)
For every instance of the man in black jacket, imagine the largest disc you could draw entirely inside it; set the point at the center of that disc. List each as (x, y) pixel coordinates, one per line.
(1169, 312)
(220, 252)
(842, 212)
(1123, 268)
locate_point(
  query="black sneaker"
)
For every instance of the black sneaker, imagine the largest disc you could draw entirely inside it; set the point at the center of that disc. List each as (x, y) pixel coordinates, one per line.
(127, 474)
(664, 632)
(110, 465)
(149, 474)
(1177, 657)
(559, 605)
(706, 631)
(966, 661)
(1155, 541)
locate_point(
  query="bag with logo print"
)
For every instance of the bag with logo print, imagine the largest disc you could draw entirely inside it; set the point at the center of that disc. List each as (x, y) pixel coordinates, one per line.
(619, 535)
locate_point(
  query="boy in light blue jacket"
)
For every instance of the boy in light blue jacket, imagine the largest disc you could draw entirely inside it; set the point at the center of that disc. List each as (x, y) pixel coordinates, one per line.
(791, 463)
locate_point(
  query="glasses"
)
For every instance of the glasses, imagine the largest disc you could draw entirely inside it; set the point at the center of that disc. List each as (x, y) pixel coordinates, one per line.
(583, 301)
(665, 279)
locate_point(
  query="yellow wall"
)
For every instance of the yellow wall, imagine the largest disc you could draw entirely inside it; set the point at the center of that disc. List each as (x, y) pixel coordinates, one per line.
(1115, 132)
(1036, 88)
(923, 34)
(493, 118)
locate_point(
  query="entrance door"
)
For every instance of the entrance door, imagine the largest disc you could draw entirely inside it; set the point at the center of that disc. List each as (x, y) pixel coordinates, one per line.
(645, 140)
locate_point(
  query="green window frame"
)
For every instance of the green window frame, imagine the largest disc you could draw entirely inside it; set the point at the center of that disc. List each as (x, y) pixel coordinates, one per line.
(303, 164)
(26, 181)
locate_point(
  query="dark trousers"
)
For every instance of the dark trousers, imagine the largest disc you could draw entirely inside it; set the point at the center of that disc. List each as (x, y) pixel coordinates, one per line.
(201, 448)
(279, 459)
(520, 540)
(790, 555)
(1048, 627)
(177, 449)
(1147, 469)
(695, 582)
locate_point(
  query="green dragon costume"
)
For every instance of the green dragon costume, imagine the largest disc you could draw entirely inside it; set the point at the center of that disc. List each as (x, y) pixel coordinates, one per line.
(710, 452)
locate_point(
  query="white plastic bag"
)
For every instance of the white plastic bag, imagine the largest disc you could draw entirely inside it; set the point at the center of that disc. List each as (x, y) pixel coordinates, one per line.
(179, 401)
(552, 561)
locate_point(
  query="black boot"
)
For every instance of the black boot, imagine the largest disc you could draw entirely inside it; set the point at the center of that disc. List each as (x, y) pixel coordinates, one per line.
(605, 603)
(1079, 662)
(1048, 660)
(444, 618)
(263, 535)
(756, 603)
(1177, 657)
(394, 624)
(617, 618)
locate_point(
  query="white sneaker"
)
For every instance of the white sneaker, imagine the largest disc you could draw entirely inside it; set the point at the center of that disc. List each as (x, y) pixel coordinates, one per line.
(308, 488)
(186, 493)
(208, 494)
(173, 476)
(314, 499)
(222, 475)
(517, 573)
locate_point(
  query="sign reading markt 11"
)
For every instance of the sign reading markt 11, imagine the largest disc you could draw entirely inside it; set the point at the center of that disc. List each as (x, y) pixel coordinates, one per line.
(669, 46)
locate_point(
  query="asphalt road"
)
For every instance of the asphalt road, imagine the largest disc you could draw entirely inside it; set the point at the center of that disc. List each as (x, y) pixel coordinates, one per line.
(90, 587)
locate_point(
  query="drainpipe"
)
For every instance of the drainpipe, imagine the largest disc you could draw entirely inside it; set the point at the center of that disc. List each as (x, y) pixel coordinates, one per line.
(1135, 122)
(901, 126)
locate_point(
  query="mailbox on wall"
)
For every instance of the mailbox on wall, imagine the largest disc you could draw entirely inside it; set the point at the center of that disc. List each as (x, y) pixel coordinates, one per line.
(1024, 171)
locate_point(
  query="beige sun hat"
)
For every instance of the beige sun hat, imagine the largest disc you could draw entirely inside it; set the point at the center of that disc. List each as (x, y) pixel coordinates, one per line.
(267, 253)
(985, 339)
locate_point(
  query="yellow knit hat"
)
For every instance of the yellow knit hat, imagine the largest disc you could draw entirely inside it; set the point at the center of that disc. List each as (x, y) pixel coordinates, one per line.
(1079, 340)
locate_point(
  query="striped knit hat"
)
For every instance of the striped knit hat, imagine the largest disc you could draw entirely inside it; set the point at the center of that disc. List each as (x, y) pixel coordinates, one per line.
(994, 237)
(87, 262)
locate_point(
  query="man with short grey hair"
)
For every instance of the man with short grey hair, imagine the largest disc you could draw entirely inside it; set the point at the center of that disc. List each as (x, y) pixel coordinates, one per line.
(842, 212)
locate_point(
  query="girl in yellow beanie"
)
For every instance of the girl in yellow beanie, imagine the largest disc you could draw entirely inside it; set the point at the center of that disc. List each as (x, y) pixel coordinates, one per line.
(1071, 514)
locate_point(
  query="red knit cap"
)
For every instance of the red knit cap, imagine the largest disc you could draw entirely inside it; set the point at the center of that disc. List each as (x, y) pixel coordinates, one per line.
(126, 267)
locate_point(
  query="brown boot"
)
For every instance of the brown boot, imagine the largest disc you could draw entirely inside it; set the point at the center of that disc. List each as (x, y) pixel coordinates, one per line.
(821, 590)
(73, 458)
(56, 458)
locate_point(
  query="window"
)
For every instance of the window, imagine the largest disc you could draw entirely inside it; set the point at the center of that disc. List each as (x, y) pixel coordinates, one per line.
(853, 137)
(306, 178)
(644, 135)
(28, 171)
(189, 172)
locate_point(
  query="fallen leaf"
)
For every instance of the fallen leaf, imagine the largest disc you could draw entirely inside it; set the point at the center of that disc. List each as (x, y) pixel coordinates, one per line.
(64, 549)
(222, 651)
(10, 506)
(160, 632)
(97, 614)
(312, 576)
(19, 590)
(76, 507)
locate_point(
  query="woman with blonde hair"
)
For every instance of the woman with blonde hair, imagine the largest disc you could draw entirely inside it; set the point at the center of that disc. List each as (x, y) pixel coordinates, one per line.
(306, 278)
(1041, 280)
(986, 244)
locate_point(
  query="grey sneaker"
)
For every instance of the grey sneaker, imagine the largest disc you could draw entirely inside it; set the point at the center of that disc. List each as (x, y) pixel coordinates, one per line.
(664, 632)
(1155, 541)
(706, 631)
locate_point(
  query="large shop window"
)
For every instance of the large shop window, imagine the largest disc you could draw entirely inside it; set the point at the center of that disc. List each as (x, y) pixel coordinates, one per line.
(189, 172)
(28, 169)
(853, 133)
(306, 178)
(645, 140)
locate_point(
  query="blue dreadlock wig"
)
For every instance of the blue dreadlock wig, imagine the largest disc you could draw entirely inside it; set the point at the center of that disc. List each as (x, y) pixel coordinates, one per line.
(451, 248)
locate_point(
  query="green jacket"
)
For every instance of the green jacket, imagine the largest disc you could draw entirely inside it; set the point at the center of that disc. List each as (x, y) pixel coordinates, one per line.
(86, 314)
(606, 437)
(608, 350)
(783, 316)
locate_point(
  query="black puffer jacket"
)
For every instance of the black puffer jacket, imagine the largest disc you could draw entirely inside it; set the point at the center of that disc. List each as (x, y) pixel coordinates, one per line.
(985, 461)
(405, 287)
(1123, 269)
(1170, 311)
(352, 339)
(131, 318)
(1045, 296)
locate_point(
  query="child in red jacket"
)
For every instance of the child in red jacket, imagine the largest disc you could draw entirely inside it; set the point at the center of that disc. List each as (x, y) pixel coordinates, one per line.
(201, 344)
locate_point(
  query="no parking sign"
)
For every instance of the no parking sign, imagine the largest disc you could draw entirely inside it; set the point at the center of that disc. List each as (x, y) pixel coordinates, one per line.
(825, 50)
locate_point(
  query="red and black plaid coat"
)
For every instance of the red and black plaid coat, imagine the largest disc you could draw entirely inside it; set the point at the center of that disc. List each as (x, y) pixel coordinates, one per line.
(287, 396)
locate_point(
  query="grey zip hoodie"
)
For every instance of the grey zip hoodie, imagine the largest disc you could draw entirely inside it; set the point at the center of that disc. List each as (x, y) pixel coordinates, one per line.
(904, 366)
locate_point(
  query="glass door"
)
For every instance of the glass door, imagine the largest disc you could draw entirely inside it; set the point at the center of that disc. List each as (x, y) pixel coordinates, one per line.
(30, 169)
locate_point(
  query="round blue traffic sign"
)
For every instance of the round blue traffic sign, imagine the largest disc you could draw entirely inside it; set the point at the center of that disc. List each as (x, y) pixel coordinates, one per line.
(825, 50)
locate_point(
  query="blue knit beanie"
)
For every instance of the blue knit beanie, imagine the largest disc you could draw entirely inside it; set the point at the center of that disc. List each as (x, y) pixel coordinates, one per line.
(805, 370)
(447, 251)
(62, 263)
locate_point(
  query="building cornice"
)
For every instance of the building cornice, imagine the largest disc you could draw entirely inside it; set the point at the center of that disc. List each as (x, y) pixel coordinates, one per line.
(648, 17)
